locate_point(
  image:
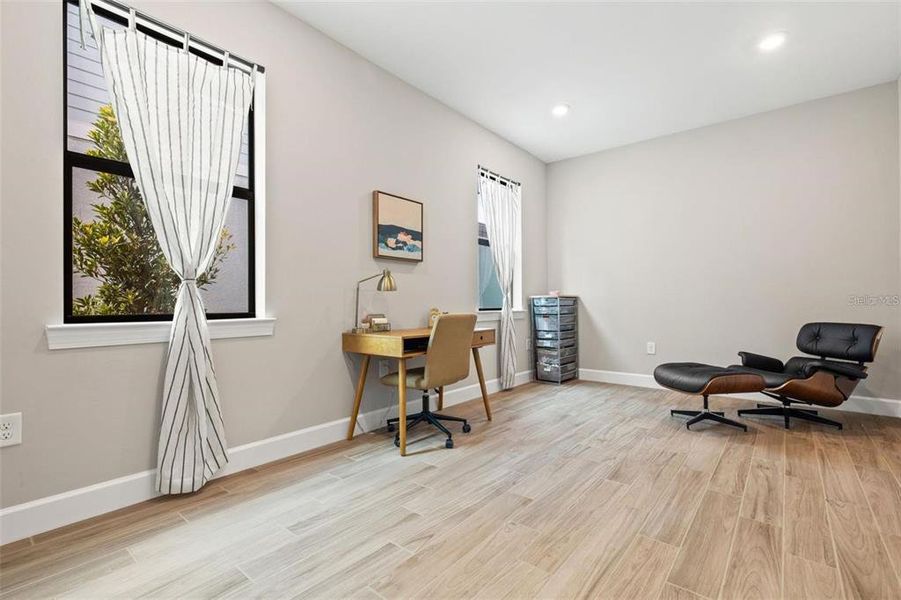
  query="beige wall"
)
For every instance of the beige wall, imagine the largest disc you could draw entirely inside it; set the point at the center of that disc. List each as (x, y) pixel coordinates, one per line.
(338, 127)
(730, 237)
(707, 242)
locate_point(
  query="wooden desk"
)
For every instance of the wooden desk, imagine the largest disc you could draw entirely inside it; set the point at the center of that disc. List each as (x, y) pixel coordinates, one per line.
(402, 344)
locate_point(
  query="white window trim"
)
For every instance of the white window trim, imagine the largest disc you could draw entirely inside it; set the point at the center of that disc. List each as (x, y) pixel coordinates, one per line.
(493, 316)
(93, 335)
(62, 336)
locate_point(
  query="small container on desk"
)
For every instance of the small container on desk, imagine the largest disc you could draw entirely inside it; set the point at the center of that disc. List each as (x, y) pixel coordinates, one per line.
(555, 337)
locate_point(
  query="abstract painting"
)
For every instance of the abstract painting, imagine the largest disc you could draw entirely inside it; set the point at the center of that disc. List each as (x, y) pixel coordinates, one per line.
(396, 227)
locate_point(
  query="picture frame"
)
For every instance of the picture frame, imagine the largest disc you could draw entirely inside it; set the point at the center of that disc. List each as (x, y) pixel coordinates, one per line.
(397, 227)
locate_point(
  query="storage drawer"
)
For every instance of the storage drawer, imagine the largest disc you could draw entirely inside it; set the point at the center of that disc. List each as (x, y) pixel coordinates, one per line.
(569, 352)
(555, 373)
(554, 357)
(553, 322)
(569, 376)
(562, 353)
(553, 335)
(553, 301)
(568, 343)
(554, 310)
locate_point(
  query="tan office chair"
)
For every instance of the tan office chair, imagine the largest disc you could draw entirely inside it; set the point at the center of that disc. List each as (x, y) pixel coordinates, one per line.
(446, 362)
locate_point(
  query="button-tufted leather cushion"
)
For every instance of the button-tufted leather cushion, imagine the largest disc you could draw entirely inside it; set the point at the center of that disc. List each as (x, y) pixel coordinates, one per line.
(771, 378)
(688, 377)
(845, 341)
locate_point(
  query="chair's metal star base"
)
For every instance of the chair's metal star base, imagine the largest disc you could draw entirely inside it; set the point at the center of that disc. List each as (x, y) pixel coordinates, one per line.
(787, 412)
(434, 419)
(706, 415)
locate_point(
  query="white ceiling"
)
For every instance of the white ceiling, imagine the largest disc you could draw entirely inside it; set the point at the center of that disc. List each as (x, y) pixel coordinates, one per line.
(630, 71)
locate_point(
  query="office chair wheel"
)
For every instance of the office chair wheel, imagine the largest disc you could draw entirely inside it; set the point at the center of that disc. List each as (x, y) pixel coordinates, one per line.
(397, 441)
(449, 443)
(466, 428)
(390, 427)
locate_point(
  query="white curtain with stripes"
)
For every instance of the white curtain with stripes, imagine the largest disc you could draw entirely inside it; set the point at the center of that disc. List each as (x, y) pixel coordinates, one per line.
(500, 203)
(181, 119)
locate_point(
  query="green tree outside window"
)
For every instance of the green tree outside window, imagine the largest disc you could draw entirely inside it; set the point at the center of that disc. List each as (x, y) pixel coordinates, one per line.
(118, 247)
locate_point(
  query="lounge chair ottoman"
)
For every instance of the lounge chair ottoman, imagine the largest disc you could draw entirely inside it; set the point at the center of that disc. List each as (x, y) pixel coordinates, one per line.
(701, 379)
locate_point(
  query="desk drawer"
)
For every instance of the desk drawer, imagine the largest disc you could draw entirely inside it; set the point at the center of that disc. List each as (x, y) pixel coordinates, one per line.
(483, 338)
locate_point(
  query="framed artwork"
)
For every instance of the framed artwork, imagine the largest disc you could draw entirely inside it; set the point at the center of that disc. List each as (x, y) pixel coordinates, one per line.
(396, 227)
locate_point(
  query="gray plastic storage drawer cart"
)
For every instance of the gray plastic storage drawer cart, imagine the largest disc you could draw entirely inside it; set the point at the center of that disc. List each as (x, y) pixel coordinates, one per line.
(555, 337)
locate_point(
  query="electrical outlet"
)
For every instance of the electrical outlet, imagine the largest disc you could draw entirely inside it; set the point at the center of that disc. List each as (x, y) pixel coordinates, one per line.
(10, 429)
(652, 348)
(384, 367)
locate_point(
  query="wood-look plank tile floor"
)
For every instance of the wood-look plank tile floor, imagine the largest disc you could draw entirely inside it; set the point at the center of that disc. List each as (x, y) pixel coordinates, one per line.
(582, 490)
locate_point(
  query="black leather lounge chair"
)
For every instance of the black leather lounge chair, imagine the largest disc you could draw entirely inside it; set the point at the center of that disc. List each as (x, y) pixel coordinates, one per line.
(840, 353)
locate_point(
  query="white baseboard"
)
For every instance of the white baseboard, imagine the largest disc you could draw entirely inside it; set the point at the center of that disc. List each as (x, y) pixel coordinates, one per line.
(31, 518)
(861, 404)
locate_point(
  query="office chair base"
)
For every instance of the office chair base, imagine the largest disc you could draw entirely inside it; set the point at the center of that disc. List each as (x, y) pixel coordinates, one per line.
(432, 418)
(706, 415)
(788, 413)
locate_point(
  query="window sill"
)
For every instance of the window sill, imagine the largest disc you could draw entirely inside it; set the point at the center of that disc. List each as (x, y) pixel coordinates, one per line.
(493, 316)
(93, 335)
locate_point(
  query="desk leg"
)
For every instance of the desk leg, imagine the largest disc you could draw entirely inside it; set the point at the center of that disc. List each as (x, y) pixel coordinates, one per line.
(358, 397)
(478, 361)
(402, 404)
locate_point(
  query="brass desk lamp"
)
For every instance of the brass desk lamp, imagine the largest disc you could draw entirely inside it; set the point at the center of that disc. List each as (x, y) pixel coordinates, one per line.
(385, 284)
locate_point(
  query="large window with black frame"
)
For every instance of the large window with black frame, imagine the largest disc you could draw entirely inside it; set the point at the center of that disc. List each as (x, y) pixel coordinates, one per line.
(114, 268)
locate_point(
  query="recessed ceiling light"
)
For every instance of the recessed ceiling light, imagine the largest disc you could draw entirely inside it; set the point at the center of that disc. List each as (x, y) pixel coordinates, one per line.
(771, 42)
(560, 110)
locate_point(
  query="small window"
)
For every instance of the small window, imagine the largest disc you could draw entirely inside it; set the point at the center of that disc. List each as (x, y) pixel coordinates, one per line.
(491, 296)
(115, 270)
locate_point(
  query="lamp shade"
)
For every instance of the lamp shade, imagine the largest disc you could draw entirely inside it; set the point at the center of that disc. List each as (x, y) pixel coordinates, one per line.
(386, 282)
